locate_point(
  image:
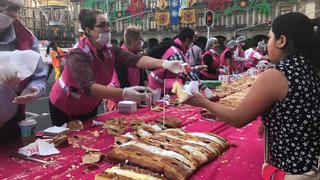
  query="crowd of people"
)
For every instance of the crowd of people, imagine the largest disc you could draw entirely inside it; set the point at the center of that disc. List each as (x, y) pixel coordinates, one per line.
(287, 97)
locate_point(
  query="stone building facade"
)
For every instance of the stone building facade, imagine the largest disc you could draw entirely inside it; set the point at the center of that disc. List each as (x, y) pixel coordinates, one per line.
(51, 20)
(250, 23)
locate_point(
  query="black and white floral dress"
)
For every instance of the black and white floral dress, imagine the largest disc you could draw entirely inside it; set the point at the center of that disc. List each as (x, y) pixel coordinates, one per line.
(294, 122)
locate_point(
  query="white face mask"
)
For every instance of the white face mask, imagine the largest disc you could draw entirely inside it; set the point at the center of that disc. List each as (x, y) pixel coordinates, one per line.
(104, 38)
(5, 21)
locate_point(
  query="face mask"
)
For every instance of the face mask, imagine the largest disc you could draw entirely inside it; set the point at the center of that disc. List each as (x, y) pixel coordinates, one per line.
(5, 21)
(104, 39)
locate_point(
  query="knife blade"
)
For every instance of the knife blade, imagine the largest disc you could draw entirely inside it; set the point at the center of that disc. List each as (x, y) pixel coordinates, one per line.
(20, 156)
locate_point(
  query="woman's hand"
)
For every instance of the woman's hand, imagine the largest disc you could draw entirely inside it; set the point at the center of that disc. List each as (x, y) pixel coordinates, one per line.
(136, 93)
(173, 66)
(197, 100)
(28, 95)
(200, 67)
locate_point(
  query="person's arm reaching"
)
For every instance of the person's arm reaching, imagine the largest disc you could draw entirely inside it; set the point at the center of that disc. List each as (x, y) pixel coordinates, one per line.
(80, 67)
(258, 56)
(146, 62)
(270, 87)
(237, 56)
(36, 87)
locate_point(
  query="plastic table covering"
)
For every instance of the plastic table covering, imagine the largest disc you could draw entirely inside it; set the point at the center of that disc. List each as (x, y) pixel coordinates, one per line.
(242, 161)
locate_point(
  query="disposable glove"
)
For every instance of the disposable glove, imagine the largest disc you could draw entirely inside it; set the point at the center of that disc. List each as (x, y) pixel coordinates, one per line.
(173, 66)
(8, 76)
(200, 67)
(29, 94)
(136, 93)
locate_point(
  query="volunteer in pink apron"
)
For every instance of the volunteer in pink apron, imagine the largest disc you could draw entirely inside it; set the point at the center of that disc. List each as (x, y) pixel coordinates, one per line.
(227, 58)
(211, 58)
(89, 69)
(239, 54)
(177, 51)
(15, 94)
(128, 76)
(287, 97)
(255, 55)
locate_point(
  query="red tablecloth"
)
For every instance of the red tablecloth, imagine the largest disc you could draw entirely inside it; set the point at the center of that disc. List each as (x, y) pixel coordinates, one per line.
(241, 161)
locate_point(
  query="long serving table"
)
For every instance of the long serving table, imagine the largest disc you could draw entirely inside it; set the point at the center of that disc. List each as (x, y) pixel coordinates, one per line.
(242, 161)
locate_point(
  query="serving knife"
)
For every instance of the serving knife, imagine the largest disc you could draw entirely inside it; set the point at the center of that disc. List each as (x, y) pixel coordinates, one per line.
(20, 156)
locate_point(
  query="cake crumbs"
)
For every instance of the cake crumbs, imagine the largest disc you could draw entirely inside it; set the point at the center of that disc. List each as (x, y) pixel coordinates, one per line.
(95, 133)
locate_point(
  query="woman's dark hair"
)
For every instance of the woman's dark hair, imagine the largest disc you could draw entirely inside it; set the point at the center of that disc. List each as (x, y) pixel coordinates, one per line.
(300, 33)
(48, 50)
(87, 18)
(53, 46)
(186, 33)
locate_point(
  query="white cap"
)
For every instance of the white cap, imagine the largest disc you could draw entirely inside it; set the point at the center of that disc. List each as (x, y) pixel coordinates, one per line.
(240, 39)
(262, 46)
(80, 30)
(231, 44)
(17, 2)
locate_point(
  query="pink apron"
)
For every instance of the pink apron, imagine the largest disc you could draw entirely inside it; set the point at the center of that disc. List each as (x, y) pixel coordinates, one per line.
(78, 103)
(231, 69)
(215, 65)
(156, 77)
(133, 78)
(133, 74)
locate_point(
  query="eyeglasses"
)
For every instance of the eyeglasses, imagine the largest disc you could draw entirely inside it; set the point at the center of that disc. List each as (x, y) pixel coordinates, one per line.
(103, 25)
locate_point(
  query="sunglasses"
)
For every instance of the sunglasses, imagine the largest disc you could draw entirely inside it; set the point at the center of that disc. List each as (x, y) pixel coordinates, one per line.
(102, 25)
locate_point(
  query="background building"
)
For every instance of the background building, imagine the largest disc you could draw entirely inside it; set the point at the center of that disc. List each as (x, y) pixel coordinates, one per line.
(51, 20)
(232, 17)
(57, 20)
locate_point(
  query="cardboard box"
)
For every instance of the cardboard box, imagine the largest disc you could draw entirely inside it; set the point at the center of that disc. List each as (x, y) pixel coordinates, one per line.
(127, 107)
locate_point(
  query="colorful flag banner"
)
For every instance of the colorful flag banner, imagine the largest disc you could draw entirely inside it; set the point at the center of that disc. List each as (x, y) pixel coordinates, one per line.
(217, 4)
(174, 12)
(162, 4)
(191, 2)
(188, 16)
(183, 4)
(136, 8)
(162, 18)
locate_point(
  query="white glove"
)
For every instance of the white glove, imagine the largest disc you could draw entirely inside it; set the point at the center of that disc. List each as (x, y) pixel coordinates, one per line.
(136, 93)
(8, 76)
(173, 66)
(29, 94)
